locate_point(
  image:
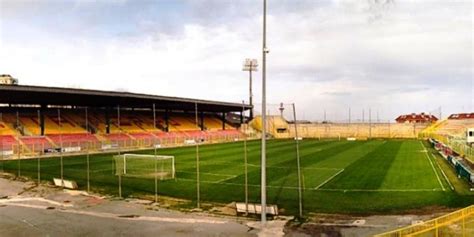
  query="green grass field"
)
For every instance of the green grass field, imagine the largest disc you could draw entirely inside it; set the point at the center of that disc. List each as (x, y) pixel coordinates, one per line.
(374, 176)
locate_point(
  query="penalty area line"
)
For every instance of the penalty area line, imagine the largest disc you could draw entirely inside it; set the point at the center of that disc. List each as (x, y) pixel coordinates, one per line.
(304, 168)
(206, 173)
(229, 177)
(329, 179)
(237, 184)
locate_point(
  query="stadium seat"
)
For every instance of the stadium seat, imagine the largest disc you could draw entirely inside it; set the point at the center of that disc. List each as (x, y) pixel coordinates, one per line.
(7, 142)
(36, 143)
(72, 137)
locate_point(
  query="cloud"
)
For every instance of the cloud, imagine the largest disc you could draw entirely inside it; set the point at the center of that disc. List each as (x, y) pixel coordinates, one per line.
(401, 57)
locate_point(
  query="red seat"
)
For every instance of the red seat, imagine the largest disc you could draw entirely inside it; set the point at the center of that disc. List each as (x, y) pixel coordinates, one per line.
(36, 143)
(7, 141)
(117, 137)
(142, 135)
(72, 137)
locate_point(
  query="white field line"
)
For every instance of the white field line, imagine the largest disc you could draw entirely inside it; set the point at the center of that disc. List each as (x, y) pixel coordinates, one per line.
(329, 179)
(434, 170)
(442, 172)
(212, 174)
(236, 184)
(307, 168)
(320, 189)
(381, 190)
(228, 178)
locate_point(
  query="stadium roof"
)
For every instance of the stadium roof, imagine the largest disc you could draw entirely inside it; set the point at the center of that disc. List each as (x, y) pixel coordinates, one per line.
(38, 95)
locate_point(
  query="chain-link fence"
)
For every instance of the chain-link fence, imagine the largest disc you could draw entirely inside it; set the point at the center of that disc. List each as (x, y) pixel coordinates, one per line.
(365, 126)
(78, 145)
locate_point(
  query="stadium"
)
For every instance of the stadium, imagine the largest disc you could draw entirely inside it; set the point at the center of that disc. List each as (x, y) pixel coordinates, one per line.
(114, 143)
(345, 143)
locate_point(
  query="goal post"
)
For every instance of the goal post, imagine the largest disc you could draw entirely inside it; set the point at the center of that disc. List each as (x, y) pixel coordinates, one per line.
(145, 166)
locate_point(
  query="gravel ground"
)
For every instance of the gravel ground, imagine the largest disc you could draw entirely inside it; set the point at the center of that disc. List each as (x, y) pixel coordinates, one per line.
(27, 210)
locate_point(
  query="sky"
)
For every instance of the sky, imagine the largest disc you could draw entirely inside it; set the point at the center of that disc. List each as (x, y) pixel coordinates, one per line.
(327, 56)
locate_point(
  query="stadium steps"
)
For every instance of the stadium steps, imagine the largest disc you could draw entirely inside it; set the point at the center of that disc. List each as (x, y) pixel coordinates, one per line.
(433, 128)
(34, 143)
(130, 136)
(274, 123)
(100, 138)
(143, 135)
(23, 145)
(51, 141)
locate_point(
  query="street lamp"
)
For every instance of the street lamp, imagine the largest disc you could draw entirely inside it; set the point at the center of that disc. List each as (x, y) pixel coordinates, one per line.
(250, 65)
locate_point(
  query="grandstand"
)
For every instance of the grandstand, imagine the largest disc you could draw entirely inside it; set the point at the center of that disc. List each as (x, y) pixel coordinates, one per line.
(452, 132)
(44, 119)
(453, 127)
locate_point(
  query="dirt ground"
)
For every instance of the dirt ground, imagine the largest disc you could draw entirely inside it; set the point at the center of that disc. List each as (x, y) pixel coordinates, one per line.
(29, 210)
(352, 226)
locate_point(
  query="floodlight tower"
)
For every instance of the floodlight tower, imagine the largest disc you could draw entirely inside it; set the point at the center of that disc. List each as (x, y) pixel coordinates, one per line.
(281, 110)
(250, 65)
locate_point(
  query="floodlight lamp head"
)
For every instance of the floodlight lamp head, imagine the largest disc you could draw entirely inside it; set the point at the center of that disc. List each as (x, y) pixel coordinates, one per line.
(266, 50)
(250, 65)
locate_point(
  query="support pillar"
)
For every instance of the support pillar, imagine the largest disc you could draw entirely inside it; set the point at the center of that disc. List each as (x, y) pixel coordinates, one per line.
(167, 121)
(41, 119)
(223, 120)
(201, 122)
(107, 121)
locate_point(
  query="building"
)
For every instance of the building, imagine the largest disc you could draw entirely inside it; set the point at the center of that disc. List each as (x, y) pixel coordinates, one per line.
(416, 118)
(6, 79)
(462, 116)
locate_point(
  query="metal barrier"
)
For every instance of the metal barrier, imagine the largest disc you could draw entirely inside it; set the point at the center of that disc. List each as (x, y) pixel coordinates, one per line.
(458, 223)
(39, 149)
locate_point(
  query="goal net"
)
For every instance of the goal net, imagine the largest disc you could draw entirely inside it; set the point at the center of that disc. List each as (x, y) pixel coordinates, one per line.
(145, 166)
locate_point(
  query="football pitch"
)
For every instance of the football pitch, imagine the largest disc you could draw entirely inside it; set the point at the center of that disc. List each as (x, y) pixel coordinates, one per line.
(373, 176)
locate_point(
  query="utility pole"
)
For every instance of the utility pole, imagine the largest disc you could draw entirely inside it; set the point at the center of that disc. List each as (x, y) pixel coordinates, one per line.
(349, 114)
(370, 123)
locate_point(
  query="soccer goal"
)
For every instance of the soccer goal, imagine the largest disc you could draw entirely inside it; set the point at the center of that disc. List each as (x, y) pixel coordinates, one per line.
(145, 166)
